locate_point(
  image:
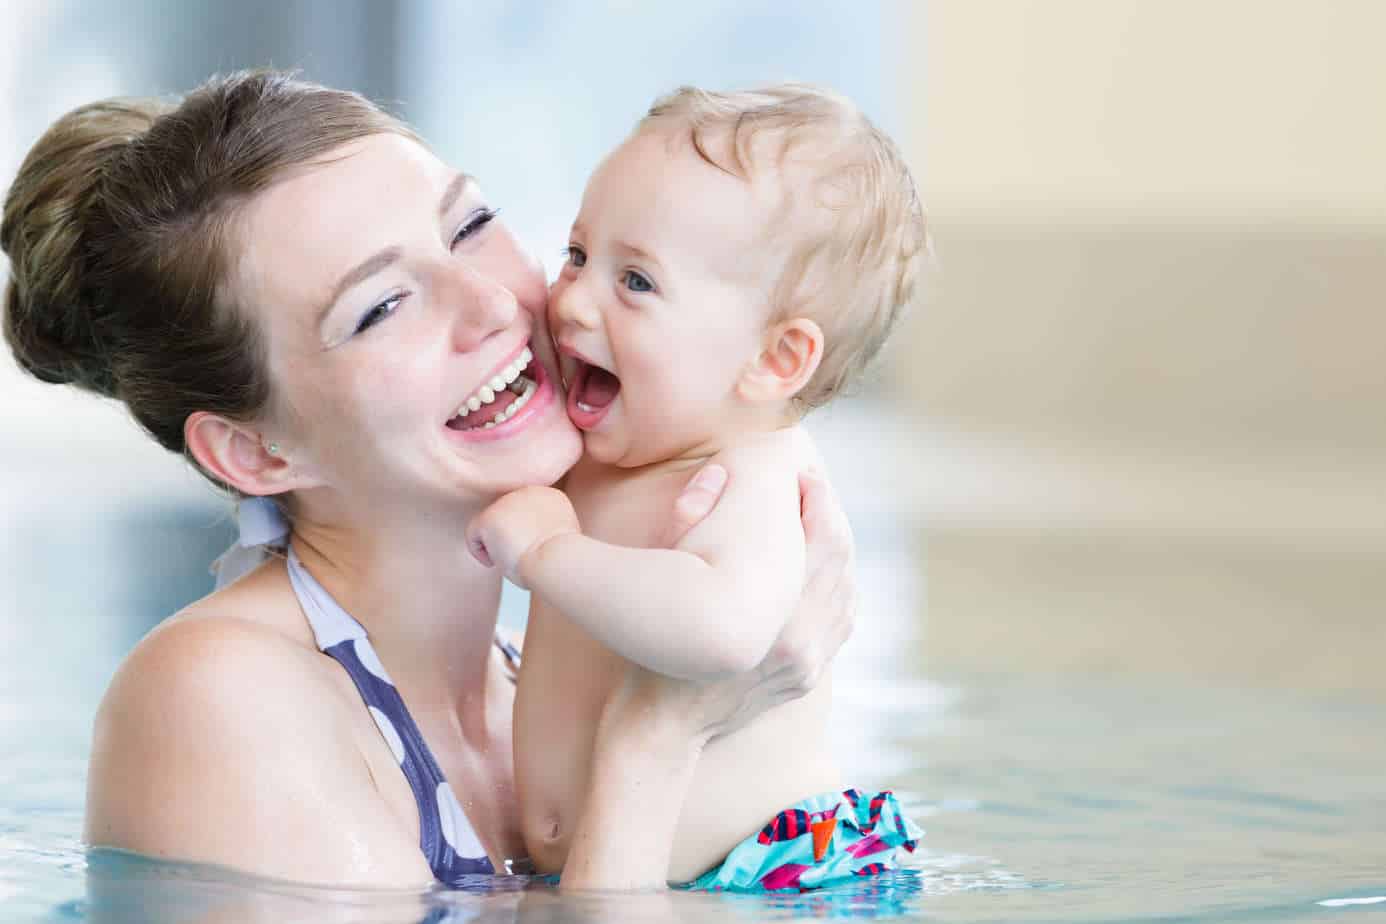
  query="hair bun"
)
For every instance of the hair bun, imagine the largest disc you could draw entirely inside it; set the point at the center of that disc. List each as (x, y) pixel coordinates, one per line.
(52, 322)
(47, 347)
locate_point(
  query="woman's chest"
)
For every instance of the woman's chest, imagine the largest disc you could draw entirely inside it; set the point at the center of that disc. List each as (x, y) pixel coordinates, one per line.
(477, 804)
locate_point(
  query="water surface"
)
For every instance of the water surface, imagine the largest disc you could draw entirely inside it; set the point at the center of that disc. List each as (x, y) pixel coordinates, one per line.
(1042, 802)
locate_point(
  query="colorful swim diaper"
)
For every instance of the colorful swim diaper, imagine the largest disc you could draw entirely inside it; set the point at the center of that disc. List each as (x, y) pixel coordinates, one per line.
(822, 840)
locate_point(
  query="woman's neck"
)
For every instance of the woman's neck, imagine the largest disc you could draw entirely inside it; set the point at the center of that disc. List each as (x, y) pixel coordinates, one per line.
(428, 606)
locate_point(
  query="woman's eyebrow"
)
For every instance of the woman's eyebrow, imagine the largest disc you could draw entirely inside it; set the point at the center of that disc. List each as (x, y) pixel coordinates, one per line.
(453, 192)
(357, 274)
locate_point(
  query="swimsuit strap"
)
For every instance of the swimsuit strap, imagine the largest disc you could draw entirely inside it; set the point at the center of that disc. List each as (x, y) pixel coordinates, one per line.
(446, 836)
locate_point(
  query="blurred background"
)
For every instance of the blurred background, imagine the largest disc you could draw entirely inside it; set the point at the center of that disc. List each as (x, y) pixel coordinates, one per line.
(1149, 384)
(1117, 485)
(1134, 429)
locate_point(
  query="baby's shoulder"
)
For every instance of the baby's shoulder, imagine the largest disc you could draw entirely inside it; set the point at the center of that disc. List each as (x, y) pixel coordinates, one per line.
(790, 449)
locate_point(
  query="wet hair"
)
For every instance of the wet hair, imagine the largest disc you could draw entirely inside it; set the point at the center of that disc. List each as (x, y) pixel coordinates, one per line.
(120, 233)
(849, 210)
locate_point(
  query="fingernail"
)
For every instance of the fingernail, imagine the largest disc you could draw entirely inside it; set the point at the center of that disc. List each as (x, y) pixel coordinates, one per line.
(711, 478)
(480, 554)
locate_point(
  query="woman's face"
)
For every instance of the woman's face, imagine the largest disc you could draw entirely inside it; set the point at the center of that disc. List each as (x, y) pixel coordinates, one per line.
(391, 298)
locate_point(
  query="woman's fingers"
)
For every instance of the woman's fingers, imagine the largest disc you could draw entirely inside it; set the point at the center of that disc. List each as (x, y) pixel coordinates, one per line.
(831, 573)
(698, 499)
(844, 606)
(810, 639)
(827, 532)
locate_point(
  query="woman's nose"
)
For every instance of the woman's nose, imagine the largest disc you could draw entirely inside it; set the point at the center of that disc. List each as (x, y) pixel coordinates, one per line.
(571, 304)
(480, 307)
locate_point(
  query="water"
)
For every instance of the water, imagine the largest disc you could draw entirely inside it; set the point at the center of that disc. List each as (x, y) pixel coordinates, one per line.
(1042, 802)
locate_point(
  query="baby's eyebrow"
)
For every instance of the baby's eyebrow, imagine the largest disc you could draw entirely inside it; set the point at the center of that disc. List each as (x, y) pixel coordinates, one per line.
(637, 252)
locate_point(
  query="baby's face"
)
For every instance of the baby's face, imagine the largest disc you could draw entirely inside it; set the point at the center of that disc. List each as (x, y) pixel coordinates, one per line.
(663, 302)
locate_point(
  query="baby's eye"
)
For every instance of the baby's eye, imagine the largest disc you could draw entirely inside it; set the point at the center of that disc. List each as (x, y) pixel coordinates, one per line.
(576, 256)
(637, 282)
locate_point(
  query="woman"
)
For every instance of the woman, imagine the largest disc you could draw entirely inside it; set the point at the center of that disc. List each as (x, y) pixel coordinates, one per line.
(281, 282)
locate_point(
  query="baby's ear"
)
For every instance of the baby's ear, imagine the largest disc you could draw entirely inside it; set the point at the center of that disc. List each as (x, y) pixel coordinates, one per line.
(791, 354)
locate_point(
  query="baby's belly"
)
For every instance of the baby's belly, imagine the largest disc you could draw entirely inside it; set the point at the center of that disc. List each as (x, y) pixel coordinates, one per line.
(554, 731)
(745, 779)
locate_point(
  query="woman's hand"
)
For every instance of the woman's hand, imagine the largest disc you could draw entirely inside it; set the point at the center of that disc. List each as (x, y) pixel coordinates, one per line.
(695, 502)
(820, 624)
(809, 641)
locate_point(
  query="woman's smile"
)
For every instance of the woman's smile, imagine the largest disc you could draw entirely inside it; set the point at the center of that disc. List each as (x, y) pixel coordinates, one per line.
(515, 395)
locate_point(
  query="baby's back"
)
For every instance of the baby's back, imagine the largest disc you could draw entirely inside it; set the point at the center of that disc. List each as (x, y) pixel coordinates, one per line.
(742, 780)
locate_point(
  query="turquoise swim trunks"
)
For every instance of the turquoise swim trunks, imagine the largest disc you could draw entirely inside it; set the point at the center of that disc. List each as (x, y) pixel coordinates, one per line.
(822, 840)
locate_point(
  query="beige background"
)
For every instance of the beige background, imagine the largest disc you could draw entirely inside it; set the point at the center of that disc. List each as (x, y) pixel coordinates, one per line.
(1156, 338)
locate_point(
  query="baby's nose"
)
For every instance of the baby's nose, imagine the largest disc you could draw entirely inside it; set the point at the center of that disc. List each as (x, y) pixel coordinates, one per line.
(571, 304)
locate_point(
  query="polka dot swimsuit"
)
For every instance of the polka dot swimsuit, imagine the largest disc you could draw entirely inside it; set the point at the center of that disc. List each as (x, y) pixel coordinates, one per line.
(446, 837)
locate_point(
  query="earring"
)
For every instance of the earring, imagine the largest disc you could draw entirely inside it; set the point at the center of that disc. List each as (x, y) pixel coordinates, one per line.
(272, 449)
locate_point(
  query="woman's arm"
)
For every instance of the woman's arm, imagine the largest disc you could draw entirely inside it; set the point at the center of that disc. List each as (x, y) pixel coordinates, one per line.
(654, 728)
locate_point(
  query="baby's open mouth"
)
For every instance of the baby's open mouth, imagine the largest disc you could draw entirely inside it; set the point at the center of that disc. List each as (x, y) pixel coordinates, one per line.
(500, 399)
(593, 387)
(590, 394)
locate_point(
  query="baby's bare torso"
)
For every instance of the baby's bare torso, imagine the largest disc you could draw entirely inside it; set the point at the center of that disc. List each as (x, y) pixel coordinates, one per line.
(742, 780)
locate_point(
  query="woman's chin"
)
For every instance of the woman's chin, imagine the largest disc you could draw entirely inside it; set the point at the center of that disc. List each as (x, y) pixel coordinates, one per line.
(548, 458)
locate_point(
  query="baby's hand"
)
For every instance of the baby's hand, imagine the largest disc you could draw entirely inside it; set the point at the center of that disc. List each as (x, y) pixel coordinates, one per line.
(517, 524)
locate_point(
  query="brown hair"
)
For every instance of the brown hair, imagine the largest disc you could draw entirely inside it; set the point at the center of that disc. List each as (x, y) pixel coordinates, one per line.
(118, 232)
(859, 241)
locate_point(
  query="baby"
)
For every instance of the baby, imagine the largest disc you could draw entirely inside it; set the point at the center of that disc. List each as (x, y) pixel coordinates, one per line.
(736, 261)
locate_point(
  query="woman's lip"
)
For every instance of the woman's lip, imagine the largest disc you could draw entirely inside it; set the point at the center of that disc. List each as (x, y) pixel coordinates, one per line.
(543, 397)
(496, 371)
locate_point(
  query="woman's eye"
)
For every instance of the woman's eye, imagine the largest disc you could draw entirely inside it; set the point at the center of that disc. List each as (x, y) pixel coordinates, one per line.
(378, 313)
(637, 282)
(576, 256)
(474, 223)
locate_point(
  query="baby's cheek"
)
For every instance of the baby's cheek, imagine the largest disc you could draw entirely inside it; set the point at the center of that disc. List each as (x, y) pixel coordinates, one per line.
(544, 317)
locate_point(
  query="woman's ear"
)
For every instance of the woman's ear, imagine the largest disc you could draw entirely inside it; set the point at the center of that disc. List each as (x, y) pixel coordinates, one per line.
(793, 349)
(237, 455)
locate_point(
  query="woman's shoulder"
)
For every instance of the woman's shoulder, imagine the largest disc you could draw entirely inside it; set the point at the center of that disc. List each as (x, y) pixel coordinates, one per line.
(240, 631)
(201, 674)
(224, 716)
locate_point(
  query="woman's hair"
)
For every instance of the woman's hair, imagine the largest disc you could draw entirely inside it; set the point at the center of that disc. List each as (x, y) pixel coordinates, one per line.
(852, 215)
(119, 229)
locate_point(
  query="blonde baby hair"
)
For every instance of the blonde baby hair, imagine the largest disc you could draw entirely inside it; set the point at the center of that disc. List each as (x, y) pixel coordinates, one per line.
(854, 242)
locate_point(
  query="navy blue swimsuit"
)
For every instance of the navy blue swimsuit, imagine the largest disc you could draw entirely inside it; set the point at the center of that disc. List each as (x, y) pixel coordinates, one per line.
(446, 837)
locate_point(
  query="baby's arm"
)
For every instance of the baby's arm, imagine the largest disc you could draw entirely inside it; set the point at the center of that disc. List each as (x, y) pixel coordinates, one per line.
(710, 606)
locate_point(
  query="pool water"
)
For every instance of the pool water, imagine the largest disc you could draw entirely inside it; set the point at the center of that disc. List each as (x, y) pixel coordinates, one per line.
(1041, 801)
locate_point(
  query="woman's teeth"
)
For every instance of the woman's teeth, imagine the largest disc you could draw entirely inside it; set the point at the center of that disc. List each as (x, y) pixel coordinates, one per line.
(508, 379)
(522, 387)
(503, 379)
